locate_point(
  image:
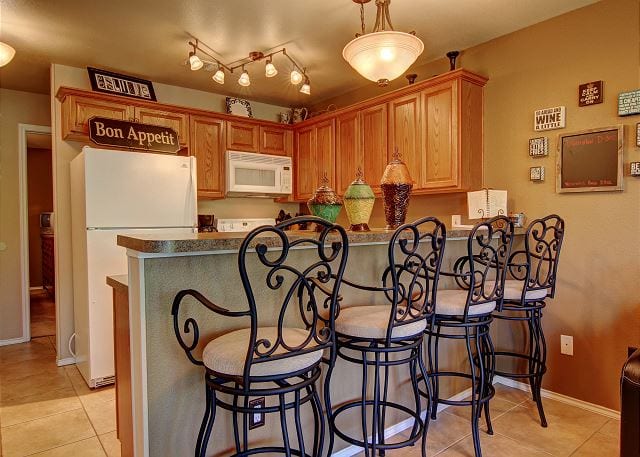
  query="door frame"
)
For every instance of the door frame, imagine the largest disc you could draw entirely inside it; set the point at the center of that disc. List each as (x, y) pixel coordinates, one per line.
(23, 130)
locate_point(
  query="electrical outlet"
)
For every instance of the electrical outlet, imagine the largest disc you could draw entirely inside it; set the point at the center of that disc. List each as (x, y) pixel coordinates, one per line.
(566, 344)
(257, 418)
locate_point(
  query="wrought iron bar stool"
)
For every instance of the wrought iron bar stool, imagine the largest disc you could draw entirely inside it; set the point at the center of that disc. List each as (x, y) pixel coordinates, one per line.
(534, 271)
(466, 314)
(280, 362)
(390, 335)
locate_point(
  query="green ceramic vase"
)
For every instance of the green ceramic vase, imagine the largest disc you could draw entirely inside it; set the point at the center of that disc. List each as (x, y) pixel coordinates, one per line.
(325, 203)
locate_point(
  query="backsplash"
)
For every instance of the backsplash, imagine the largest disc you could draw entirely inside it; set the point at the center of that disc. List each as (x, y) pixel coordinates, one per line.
(234, 208)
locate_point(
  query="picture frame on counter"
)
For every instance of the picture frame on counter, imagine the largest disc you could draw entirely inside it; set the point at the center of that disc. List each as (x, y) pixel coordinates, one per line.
(536, 174)
(590, 93)
(590, 160)
(118, 84)
(239, 107)
(629, 103)
(539, 147)
(549, 118)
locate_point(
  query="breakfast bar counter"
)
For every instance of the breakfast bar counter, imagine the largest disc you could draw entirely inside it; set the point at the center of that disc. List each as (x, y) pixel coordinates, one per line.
(167, 390)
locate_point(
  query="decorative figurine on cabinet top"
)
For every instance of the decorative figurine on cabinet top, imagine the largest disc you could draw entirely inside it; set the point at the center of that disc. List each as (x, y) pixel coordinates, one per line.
(325, 203)
(396, 187)
(358, 203)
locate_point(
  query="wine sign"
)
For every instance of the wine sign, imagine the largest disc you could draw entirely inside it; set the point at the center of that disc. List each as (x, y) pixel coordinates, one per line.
(590, 93)
(549, 118)
(133, 135)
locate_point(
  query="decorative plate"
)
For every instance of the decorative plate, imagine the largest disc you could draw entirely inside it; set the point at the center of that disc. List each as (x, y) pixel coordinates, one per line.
(239, 107)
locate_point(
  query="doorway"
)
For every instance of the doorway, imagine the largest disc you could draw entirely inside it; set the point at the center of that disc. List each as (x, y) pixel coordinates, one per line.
(37, 233)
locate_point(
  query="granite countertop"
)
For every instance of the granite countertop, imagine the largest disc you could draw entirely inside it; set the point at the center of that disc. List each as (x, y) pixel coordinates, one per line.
(118, 281)
(231, 241)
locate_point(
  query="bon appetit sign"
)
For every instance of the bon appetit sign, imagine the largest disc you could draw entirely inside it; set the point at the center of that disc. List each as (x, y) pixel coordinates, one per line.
(133, 135)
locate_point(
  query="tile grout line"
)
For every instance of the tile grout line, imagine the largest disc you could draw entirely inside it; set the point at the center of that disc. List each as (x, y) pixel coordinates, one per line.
(525, 445)
(87, 414)
(41, 417)
(588, 438)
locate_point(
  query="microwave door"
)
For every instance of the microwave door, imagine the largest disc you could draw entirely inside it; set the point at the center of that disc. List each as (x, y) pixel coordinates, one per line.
(248, 177)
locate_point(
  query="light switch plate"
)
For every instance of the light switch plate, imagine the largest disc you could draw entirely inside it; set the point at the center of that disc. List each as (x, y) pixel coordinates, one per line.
(566, 344)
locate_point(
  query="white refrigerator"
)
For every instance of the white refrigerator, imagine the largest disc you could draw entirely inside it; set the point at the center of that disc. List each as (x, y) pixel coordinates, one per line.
(118, 192)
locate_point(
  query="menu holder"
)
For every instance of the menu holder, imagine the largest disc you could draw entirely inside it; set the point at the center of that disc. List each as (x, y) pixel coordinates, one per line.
(487, 203)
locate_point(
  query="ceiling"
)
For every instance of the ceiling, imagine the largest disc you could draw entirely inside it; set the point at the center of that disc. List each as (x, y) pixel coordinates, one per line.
(148, 38)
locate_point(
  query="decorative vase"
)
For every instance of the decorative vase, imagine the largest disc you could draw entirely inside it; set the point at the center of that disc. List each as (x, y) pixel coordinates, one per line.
(358, 203)
(325, 203)
(452, 55)
(396, 187)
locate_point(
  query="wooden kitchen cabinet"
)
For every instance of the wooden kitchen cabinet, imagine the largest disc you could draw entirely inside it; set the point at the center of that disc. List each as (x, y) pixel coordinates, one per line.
(314, 158)
(174, 120)
(276, 141)
(405, 134)
(243, 137)
(373, 140)
(208, 147)
(348, 150)
(77, 110)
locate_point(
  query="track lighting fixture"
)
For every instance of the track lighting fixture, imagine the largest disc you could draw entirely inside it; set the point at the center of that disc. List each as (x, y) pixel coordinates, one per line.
(297, 76)
(6, 53)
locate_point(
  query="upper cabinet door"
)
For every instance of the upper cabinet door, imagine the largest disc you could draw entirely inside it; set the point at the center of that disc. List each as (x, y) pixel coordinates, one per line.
(177, 121)
(373, 141)
(325, 152)
(304, 164)
(208, 146)
(405, 134)
(76, 112)
(441, 161)
(243, 137)
(348, 150)
(276, 141)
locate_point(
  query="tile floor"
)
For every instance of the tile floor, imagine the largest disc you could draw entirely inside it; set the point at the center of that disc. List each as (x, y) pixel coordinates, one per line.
(47, 411)
(43, 314)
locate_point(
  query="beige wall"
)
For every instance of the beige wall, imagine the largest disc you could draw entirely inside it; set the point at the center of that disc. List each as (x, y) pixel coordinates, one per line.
(541, 66)
(40, 190)
(65, 151)
(15, 108)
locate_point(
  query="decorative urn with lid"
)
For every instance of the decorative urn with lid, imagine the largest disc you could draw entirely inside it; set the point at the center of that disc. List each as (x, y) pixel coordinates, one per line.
(396, 187)
(358, 203)
(325, 203)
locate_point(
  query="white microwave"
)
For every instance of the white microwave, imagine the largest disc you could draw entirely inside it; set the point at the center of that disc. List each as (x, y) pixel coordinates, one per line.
(260, 175)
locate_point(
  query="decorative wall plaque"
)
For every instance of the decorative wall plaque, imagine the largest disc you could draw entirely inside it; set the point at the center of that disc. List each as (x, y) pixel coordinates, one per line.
(635, 168)
(238, 106)
(536, 174)
(629, 103)
(539, 147)
(638, 134)
(117, 84)
(549, 118)
(133, 135)
(590, 93)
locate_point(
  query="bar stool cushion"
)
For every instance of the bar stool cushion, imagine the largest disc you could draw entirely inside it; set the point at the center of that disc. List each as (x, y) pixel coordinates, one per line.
(226, 354)
(371, 322)
(513, 291)
(452, 303)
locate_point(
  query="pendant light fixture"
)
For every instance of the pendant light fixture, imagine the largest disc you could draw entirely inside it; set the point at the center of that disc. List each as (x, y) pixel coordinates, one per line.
(306, 87)
(296, 77)
(244, 79)
(6, 53)
(384, 54)
(194, 61)
(270, 69)
(219, 76)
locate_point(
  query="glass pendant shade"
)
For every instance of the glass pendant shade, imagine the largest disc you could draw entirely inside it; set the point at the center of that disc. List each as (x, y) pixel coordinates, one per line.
(195, 62)
(270, 70)
(219, 76)
(296, 77)
(306, 87)
(6, 54)
(383, 56)
(244, 79)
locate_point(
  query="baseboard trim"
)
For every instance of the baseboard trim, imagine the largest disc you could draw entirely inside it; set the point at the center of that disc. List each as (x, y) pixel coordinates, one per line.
(14, 341)
(611, 413)
(400, 426)
(67, 361)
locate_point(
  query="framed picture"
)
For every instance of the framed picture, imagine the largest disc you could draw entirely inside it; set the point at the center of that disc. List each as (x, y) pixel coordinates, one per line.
(539, 147)
(635, 169)
(536, 174)
(549, 118)
(590, 93)
(629, 103)
(239, 107)
(590, 160)
(117, 84)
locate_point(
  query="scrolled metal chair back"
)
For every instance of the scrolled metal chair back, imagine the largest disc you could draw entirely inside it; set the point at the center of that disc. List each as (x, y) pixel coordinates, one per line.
(483, 271)
(305, 283)
(543, 241)
(415, 258)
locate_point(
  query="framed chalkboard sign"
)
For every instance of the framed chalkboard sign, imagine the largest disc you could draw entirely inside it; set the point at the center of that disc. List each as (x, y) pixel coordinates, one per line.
(590, 160)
